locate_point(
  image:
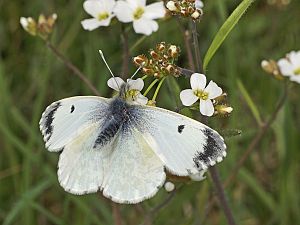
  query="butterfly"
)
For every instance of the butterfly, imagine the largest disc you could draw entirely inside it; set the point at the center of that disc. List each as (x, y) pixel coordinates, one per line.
(122, 148)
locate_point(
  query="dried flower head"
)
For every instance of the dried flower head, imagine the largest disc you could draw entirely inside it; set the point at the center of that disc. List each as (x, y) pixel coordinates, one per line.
(43, 27)
(186, 8)
(161, 61)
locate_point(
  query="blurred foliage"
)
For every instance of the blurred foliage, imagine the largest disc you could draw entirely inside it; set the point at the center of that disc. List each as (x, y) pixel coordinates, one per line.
(266, 190)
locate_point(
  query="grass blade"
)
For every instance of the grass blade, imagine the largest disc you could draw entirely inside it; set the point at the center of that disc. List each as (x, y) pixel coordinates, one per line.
(250, 102)
(225, 30)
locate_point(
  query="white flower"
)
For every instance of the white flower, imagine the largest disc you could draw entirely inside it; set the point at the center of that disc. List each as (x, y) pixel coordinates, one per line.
(199, 4)
(198, 176)
(169, 186)
(141, 15)
(290, 66)
(132, 91)
(101, 10)
(199, 91)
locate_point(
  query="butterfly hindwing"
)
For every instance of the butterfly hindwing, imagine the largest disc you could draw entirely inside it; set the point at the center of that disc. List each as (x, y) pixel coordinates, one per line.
(135, 172)
(186, 146)
(82, 166)
(63, 120)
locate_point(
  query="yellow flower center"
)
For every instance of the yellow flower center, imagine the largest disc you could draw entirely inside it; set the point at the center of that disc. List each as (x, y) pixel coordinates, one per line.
(138, 13)
(297, 71)
(103, 16)
(131, 94)
(201, 94)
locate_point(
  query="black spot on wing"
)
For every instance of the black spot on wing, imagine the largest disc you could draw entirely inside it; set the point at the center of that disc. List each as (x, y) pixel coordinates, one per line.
(49, 119)
(180, 128)
(212, 150)
(72, 108)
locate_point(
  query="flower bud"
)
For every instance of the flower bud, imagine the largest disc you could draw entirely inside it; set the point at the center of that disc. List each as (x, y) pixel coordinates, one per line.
(271, 67)
(140, 60)
(154, 55)
(196, 15)
(171, 5)
(169, 186)
(147, 71)
(29, 25)
(161, 46)
(173, 51)
(223, 109)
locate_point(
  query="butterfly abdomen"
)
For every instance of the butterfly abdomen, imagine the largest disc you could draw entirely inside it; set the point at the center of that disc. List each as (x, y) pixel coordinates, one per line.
(118, 115)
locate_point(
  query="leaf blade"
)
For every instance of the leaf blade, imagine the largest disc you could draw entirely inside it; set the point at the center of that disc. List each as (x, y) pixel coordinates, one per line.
(225, 29)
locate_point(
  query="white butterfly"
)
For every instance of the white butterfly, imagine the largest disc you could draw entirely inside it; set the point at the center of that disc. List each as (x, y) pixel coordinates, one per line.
(122, 148)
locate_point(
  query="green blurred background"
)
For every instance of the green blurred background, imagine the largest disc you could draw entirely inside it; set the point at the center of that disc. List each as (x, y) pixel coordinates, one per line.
(266, 190)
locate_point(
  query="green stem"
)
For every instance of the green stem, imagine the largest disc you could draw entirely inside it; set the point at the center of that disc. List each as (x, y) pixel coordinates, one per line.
(144, 77)
(157, 89)
(150, 86)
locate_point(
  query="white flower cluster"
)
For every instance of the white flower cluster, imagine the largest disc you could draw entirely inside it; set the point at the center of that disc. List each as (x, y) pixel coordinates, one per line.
(136, 11)
(290, 66)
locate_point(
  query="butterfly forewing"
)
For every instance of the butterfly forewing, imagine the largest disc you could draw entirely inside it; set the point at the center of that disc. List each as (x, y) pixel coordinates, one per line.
(185, 146)
(63, 120)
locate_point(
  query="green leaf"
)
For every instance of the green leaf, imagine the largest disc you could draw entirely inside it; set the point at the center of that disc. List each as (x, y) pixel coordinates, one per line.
(250, 102)
(225, 30)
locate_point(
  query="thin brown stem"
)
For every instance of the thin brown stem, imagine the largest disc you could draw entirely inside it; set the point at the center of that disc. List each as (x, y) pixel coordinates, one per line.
(72, 67)
(124, 37)
(151, 214)
(263, 130)
(117, 214)
(221, 195)
(256, 140)
(213, 170)
(187, 41)
(199, 67)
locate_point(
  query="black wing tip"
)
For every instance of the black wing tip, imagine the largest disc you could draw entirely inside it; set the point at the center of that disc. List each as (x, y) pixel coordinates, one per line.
(46, 120)
(213, 150)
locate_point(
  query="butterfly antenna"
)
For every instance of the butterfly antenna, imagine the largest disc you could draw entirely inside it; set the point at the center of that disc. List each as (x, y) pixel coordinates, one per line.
(103, 58)
(140, 67)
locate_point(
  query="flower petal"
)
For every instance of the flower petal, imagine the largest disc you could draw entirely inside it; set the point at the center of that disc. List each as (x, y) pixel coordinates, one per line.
(155, 10)
(145, 26)
(141, 99)
(94, 7)
(295, 78)
(285, 67)
(295, 59)
(198, 81)
(187, 97)
(136, 3)
(123, 11)
(199, 4)
(109, 5)
(206, 107)
(213, 90)
(90, 24)
(137, 84)
(115, 83)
